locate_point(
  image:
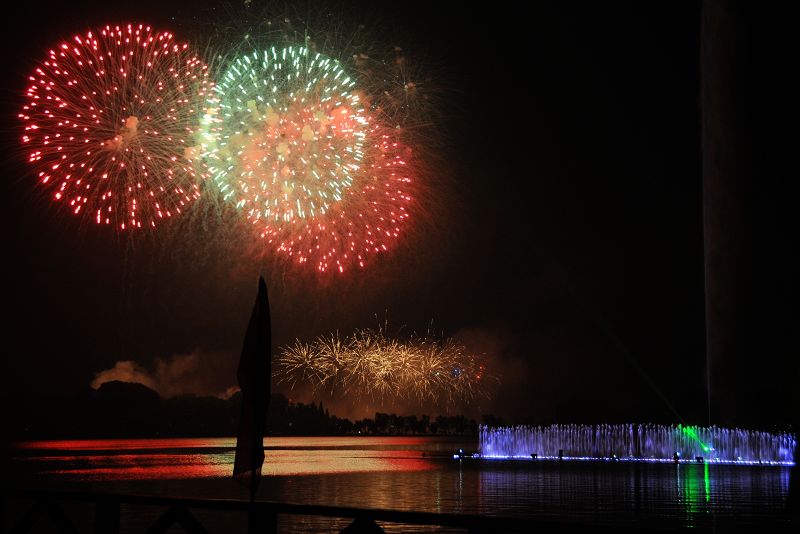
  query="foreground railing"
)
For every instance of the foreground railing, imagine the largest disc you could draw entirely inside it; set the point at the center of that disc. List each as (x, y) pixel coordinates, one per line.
(262, 517)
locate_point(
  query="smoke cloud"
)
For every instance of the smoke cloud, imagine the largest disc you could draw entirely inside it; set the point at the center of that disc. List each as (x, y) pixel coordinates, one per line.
(200, 373)
(124, 371)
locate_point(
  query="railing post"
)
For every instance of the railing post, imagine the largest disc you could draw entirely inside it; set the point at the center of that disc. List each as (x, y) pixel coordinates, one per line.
(106, 516)
(45, 508)
(182, 516)
(261, 519)
(362, 525)
(30, 518)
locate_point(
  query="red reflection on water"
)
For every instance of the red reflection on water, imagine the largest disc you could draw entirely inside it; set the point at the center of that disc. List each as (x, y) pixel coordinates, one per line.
(316, 462)
(141, 467)
(188, 458)
(126, 444)
(359, 442)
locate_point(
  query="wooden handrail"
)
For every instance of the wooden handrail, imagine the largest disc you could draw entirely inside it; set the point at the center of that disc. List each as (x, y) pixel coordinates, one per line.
(264, 513)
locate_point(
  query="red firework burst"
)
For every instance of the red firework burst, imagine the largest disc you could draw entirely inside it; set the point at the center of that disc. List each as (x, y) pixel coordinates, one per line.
(367, 221)
(110, 121)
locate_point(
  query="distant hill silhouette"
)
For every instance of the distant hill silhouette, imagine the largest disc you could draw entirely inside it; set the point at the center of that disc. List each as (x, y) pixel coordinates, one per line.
(117, 391)
(131, 410)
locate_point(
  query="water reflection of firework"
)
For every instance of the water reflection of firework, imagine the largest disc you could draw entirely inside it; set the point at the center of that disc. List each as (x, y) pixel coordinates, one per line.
(370, 363)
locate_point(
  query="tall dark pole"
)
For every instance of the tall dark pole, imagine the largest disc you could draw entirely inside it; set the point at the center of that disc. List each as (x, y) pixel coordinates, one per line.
(724, 176)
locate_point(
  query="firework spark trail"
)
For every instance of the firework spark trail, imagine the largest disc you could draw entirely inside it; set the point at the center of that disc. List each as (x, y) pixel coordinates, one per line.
(110, 123)
(368, 363)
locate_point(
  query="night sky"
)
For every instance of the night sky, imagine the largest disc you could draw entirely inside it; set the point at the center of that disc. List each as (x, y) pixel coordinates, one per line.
(563, 238)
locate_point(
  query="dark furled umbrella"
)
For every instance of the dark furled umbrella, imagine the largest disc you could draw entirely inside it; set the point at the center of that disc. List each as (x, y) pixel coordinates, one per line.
(254, 380)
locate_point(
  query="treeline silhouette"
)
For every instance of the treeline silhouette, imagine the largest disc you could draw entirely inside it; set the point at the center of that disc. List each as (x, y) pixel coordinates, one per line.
(129, 410)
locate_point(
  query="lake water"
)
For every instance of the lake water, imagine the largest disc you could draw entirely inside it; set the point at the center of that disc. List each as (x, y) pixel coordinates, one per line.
(408, 473)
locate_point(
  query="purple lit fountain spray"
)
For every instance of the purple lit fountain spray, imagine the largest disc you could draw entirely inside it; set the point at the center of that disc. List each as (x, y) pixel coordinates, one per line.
(653, 443)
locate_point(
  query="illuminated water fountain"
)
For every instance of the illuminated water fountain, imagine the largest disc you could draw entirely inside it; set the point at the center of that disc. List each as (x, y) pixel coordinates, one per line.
(655, 443)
